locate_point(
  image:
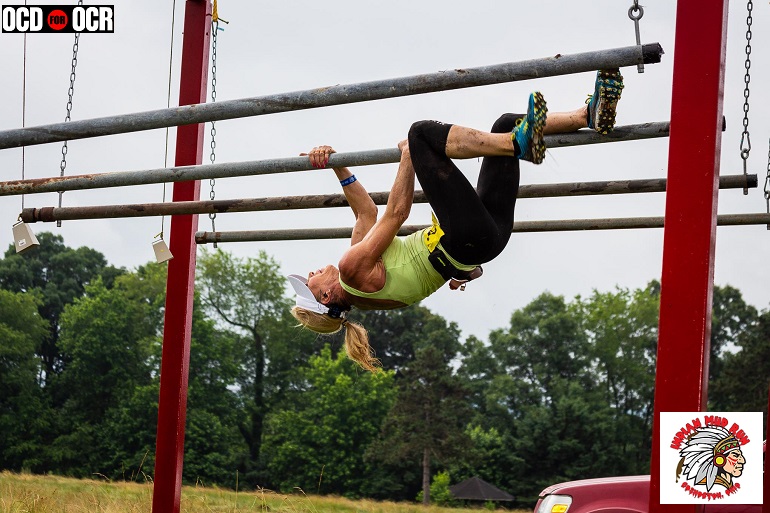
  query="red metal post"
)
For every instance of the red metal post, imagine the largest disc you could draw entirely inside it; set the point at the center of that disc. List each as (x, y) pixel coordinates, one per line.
(690, 223)
(175, 365)
(766, 490)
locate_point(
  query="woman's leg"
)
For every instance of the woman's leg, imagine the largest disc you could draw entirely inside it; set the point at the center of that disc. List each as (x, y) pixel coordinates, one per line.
(477, 225)
(463, 217)
(498, 183)
(468, 143)
(564, 122)
(497, 188)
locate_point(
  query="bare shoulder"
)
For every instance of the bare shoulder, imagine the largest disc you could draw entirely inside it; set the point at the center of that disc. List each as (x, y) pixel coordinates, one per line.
(360, 271)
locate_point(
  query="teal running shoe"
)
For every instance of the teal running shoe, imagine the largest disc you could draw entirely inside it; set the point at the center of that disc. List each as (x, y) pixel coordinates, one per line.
(602, 105)
(528, 132)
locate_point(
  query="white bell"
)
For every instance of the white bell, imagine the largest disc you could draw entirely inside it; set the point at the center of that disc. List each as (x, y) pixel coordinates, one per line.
(162, 253)
(23, 237)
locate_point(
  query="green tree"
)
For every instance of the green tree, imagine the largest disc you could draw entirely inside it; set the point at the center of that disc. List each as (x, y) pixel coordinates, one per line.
(397, 335)
(59, 274)
(730, 318)
(559, 440)
(248, 295)
(570, 379)
(215, 451)
(543, 347)
(743, 383)
(533, 378)
(576, 380)
(427, 421)
(318, 443)
(622, 330)
(127, 437)
(486, 378)
(109, 389)
(439, 491)
(108, 342)
(129, 427)
(526, 363)
(489, 458)
(24, 411)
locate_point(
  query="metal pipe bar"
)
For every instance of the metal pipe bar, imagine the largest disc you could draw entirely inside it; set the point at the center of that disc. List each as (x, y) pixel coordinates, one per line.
(50, 214)
(518, 227)
(291, 164)
(335, 95)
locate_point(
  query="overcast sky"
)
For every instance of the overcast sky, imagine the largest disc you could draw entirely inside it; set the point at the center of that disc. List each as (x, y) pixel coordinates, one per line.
(274, 47)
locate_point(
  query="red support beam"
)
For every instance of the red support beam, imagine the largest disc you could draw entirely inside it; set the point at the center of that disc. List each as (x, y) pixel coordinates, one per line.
(766, 496)
(175, 364)
(687, 278)
(766, 487)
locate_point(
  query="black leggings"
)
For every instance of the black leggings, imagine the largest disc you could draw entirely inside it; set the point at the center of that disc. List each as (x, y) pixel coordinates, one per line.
(476, 225)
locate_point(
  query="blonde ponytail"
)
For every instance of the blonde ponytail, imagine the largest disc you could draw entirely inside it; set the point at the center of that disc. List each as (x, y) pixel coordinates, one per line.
(358, 348)
(356, 338)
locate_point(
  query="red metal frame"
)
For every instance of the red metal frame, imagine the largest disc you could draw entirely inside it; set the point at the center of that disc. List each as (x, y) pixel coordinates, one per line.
(766, 488)
(688, 252)
(175, 365)
(687, 278)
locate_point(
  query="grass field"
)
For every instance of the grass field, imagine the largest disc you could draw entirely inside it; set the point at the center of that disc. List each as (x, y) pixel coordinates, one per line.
(23, 493)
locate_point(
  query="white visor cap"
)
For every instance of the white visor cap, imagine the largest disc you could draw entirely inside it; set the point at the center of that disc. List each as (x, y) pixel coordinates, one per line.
(305, 298)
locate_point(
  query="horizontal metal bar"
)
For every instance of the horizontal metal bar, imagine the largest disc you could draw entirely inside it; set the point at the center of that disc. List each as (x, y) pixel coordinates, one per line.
(334, 95)
(518, 227)
(50, 214)
(291, 164)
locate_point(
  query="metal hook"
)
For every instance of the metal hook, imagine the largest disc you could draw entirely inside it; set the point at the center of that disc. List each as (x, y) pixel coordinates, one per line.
(636, 8)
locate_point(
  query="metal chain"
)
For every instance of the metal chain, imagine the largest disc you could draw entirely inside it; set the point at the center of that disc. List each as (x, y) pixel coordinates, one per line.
(70, 93)
(212, 157)
(168, 105)
(24, 107)
(745, 138)
(635, 13)
(767, 185)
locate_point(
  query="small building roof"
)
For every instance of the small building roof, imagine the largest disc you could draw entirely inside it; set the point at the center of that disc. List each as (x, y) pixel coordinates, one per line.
(476, 489)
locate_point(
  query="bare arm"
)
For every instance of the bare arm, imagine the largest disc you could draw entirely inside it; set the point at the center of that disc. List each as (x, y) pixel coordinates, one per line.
(361, 266)
(364, 209)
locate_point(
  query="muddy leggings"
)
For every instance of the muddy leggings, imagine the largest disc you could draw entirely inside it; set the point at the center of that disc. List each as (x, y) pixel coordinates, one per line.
(476, 223)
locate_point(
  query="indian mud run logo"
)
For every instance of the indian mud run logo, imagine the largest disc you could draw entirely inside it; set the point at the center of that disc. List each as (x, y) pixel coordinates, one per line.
(708, 458)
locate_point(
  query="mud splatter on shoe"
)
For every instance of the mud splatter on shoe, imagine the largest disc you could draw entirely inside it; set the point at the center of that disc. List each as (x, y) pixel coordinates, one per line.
(602, 105)
(528, 132)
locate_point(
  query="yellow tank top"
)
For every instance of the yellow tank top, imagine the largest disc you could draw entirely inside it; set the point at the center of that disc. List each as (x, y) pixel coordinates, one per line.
(409, 276)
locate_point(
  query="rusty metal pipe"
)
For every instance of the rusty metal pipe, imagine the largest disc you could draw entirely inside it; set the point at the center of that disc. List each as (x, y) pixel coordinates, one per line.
(291, 164)
(335, 95)
(518, 227)
(50, 214)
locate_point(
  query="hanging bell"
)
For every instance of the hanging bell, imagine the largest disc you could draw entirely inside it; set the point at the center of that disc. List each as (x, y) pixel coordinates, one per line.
(23, 237)
(162, 253)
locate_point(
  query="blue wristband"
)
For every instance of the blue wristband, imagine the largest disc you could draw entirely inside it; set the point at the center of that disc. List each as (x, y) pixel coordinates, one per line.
(348, 180)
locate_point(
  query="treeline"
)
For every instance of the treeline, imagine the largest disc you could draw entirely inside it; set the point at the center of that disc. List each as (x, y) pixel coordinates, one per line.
(564, 392)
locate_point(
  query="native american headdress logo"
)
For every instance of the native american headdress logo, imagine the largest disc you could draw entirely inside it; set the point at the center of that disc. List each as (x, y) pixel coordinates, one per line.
(711, 456)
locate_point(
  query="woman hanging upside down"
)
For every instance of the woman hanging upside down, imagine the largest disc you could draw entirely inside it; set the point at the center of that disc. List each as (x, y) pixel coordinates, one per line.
(470, 226)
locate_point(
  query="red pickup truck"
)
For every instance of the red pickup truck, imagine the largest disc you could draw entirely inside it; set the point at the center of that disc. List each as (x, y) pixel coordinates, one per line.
(629, 494)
